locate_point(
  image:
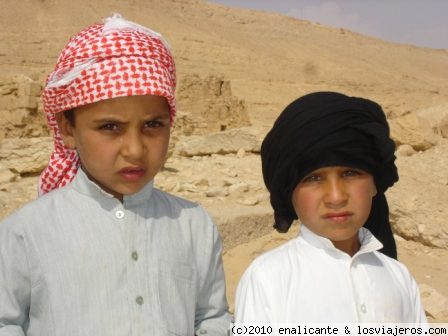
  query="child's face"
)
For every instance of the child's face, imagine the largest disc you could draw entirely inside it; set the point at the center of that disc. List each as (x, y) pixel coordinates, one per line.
(122, 142)
(335, 202)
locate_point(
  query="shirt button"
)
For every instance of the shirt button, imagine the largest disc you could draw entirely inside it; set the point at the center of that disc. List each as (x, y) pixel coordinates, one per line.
(119, 214)
(139, 300)
(363, 308)
(134, 255)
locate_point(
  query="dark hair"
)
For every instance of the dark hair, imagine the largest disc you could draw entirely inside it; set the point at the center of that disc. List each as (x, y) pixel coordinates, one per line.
(70, 116)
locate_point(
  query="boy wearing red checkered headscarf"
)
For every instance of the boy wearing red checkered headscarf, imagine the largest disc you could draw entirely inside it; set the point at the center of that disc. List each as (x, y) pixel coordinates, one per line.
(103, 252)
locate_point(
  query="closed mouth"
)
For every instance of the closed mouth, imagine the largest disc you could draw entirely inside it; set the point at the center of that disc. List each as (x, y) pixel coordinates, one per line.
(338, 216)
(132, 173)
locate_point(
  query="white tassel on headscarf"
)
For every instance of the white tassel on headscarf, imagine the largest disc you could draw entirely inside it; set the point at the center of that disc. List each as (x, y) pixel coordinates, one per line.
(113, 23)
(116, 22)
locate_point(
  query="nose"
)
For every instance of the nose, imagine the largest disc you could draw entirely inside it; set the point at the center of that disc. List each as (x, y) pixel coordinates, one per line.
(335, 193)
(133, 147)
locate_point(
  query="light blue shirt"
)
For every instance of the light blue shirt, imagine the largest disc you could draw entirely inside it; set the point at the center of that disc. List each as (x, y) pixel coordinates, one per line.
(78, 262)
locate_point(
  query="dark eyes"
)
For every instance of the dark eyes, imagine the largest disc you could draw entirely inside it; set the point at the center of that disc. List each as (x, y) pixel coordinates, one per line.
(318, 177)
(351, 172)
(117, 127)
(154, 124)
(109, 127)
(311, 178)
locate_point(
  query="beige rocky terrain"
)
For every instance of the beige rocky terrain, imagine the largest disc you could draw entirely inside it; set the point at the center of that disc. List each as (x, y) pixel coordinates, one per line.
(237, 70)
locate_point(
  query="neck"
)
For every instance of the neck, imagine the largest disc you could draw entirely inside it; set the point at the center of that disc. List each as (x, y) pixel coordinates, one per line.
(349, 246)
(118, 196)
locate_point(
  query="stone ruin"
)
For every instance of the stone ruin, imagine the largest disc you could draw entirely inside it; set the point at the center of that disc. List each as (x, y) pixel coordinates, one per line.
(21, 108)
(206, 105)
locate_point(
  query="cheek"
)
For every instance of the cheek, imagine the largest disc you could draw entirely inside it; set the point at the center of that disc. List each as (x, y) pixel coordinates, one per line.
(368, 190)
(160, 144)
(165, 142)
(157, 152)
(364, 196)
(303, 202)
(96, 150)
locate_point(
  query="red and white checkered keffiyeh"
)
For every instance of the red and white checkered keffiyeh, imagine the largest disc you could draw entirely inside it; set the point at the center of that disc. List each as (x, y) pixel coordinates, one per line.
(115, 59)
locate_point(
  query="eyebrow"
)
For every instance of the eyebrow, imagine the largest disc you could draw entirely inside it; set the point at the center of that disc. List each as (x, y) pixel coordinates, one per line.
(157, 116)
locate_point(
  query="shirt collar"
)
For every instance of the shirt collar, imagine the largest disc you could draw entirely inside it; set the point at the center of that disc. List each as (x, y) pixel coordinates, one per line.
(84, 185)
(368, 241)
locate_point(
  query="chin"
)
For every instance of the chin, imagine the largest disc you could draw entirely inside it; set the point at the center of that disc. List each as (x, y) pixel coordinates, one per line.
(344, 237)
(130, 192)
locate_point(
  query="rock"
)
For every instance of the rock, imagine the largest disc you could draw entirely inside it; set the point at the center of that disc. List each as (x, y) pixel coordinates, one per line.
(15, 194)
(7, 176)
(28, 87)
(221, 183)
(210, 103)
(231, 172)
(250, 201)
(226, 142)
(13, 102)
(184, 124)
(190, 188)
(437, 117)
(436, 305)
(241, 153)
(399, 238)
(227, 182)
(263, 197)
(418, 201)
(203, 182)
(217, 192)
(413, 130)
(242, 223)
(17, 118)
(405, 150)
(177, 188)
(442, 128)
(239, 188)
(167, 186)
(3, 198)
(26, 156)
(20, 102)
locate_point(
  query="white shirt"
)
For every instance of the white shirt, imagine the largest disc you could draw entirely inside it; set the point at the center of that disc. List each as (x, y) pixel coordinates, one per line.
(76, 261)
(309, 280)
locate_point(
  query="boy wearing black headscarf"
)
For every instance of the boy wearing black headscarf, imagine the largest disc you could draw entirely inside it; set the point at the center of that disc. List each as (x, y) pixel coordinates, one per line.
(328, 161)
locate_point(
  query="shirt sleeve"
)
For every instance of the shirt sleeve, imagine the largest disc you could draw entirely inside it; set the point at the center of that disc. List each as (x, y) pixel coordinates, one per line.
(251, 302)
(212, 316)
(419, 311)
(15, 285)
(416, 310)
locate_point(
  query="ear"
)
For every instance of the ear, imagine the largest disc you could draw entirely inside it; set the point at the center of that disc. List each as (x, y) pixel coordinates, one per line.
(66, 130)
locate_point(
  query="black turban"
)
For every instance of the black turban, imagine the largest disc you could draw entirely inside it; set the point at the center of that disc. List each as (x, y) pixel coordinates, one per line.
(330, 129)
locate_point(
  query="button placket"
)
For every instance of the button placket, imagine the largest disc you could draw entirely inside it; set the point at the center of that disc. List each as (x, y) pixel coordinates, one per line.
(363, 308)
(139, 300)
(134, 255)
(119, 214)
(134, 267)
